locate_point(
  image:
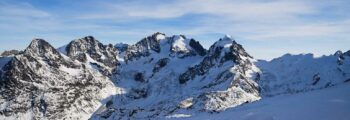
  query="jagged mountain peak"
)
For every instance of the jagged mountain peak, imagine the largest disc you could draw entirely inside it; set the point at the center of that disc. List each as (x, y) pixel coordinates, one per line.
(37, 44)
(156, 36)
(158, 43)
(87, 40)
(151, 42)
(225, 41)
(152, 39)
(88, 47)
(40, 47)
(84, 42)
(222, 51)
(183, 46)
(89, 37)
(159, 35)
(42, 84)
(179, 43)
(226, 49)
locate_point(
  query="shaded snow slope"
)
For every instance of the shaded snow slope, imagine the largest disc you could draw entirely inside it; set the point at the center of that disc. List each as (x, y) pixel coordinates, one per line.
(326, 104)
(298, 73)
(4, 61)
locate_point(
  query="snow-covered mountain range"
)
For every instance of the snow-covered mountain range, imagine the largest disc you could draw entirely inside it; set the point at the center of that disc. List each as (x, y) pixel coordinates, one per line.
(159, 77)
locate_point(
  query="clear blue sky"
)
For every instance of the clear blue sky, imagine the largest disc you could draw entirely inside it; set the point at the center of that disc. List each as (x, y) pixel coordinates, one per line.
(266, 28)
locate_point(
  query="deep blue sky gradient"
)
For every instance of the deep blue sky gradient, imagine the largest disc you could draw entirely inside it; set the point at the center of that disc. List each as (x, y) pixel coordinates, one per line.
(267, 29)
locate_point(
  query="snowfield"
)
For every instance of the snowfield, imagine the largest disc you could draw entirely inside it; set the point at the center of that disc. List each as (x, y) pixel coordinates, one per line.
(326, 104)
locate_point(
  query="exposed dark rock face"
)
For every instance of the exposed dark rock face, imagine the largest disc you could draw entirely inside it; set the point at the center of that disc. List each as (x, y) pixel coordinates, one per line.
(139, 77)
(214, 57)
(103, 70)
(39, 49)
(144, 47)
(182, 47)
(160, 64)
(198, 47)
(341, 56)
(78, 49)
(138, 93)
(316, 78)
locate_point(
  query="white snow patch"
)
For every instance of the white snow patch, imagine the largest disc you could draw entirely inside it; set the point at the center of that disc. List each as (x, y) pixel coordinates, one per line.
(160, 37)
(226, 41)
(70, 71)
(178, 116)
(179, 44)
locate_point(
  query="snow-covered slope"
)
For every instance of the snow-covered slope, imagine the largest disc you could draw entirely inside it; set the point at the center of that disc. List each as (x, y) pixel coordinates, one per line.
(326, 104)
(304, 72)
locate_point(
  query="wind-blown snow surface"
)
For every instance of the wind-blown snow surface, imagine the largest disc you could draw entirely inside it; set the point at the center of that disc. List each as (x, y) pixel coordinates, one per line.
(326, 104)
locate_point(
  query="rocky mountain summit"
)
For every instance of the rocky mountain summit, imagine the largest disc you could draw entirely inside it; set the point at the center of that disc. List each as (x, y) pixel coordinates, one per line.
(155, 78)
(42, 83)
